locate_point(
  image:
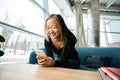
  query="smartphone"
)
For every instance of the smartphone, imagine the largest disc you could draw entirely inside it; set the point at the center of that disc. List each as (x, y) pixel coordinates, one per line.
(40, 53)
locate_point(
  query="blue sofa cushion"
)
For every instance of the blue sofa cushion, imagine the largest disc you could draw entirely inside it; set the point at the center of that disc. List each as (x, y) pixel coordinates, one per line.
(85, 51)
(94, 61)
(100, 51)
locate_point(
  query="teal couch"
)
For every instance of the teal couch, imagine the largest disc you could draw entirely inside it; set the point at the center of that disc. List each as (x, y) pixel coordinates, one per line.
(100, 51)
(85, 51)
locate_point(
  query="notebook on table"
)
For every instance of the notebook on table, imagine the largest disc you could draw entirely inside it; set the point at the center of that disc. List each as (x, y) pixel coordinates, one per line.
(112, 72)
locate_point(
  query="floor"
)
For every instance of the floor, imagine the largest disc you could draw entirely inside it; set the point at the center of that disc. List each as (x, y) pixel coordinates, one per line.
(8, 59)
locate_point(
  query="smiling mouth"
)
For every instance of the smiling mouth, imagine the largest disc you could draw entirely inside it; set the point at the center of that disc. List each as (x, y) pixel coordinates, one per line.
(52, 35)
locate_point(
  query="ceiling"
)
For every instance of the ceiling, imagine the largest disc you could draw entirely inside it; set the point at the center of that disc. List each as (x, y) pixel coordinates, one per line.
(109, 6)
(104, 4)
(107, 3)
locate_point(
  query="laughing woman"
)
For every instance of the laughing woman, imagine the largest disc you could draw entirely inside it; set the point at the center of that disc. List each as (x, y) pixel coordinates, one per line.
(61, 41)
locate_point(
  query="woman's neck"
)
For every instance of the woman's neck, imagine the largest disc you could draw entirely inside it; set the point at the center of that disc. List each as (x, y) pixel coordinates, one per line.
(58, 43)
(56, 40)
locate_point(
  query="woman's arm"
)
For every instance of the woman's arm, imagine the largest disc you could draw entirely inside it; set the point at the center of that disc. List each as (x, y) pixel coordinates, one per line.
(48, 48)
(67, 52)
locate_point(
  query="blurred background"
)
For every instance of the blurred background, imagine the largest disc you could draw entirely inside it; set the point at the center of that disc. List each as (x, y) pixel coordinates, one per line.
(96, 23)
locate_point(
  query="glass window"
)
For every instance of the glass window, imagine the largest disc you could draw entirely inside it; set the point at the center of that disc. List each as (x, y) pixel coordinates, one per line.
(109, 31)
(22, 13)
(53, 9)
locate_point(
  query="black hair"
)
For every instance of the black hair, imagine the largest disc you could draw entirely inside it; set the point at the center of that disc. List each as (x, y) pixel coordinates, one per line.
(66, 33)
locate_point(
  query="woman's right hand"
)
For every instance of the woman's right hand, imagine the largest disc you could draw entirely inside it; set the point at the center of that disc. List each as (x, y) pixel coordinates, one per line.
(41, 60)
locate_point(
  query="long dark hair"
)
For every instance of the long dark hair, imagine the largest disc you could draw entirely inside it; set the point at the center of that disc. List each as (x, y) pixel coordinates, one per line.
(67, 35)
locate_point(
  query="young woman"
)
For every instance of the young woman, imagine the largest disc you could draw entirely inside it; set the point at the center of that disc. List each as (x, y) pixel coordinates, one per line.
(60, 41)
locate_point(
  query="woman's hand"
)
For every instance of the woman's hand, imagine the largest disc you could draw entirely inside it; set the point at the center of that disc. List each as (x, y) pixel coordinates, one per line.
(45, 61)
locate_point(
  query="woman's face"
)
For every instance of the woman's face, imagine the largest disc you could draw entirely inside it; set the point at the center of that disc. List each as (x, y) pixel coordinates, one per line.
(53, 29)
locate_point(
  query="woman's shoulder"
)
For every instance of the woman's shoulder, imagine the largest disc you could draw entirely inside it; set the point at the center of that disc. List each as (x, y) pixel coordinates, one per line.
(46, 42)
(72, 37)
